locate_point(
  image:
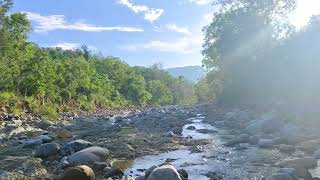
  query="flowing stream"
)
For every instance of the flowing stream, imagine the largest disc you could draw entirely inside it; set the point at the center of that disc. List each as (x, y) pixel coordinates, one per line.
(196, 164)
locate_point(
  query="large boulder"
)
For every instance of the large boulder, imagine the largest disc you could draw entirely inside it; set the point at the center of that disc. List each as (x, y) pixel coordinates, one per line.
(46, 150)
(79, 173)
(166, 172)
(265, 143)
(306, 162)
(267, 123)
(89, 156)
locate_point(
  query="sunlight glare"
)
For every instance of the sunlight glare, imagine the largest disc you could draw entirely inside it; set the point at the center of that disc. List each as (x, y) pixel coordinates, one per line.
(304, 11)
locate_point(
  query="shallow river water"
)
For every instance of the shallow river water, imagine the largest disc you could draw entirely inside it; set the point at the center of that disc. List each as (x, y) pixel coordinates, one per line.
(196, 164)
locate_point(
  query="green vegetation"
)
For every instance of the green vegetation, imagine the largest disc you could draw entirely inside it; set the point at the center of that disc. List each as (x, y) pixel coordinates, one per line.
(47, 81)
(260, 60)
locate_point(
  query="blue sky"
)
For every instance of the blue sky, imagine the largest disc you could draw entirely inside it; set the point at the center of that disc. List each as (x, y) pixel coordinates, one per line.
(140, 32)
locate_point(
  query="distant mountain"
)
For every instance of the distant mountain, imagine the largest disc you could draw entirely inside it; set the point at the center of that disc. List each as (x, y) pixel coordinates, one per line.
(192, 73)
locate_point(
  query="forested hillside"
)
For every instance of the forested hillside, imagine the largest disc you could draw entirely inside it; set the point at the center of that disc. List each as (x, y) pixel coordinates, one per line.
(47, 81)
(191, 73)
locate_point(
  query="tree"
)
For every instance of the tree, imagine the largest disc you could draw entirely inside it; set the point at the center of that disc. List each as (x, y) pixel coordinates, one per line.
(161, 94)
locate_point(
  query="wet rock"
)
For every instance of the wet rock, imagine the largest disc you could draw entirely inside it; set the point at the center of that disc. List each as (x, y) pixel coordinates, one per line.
(267, 123)
(64, 134)
(183, 174)
(44, 124)
(33, 168)
(99, 166)
(89, 156)
(148, 171)
(310, 145)
(46, 150)
(79, 144)
(166, 172)
(63, 163)
(291, 171)
(214, 175)
(265, 143)
(168, 134)
(191, 128)
(79, 173)
(206, 131)
(112, 172)
(121, 149)
(32, 143)
(316, 154)
(141, 178)
(286, 148)
(254, 139)
(306, 162)
(177, 130)
(45, 138)
(281, 176)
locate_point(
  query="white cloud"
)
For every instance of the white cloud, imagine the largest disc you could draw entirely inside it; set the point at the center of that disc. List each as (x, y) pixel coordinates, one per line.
(67, 46)
(185, 45)
(58, 22)
(72, 46)
(198, 2)
(175, 28)
(150, 14)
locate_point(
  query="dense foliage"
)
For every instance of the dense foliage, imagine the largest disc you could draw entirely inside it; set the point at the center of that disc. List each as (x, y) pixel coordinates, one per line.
(259, 59)
(49, 80)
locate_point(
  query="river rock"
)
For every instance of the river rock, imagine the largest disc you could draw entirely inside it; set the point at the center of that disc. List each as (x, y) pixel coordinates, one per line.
(191, 128)
(166, 172)
(127, 178)
(306, 162)
(89, 156)
(148, 171)
(267, 123)
(177, 130)
(44, 124)
(45, 138)
(265, 143)
(168, 134)
(183, 174)
(316, 154)
(112, 172)
(310, 145)
(64, 134)
(141, 178)
(46, 150)
(206, 131)
(281, 176)
(79, 144)
(291, 133)
(78, 173)
(286, 148)
(32, 143)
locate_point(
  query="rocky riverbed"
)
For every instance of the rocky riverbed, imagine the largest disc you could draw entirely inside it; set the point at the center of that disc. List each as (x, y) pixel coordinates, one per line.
(205, 141)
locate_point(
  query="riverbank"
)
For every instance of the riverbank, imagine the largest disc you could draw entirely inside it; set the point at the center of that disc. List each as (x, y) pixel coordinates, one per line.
(208, 141)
